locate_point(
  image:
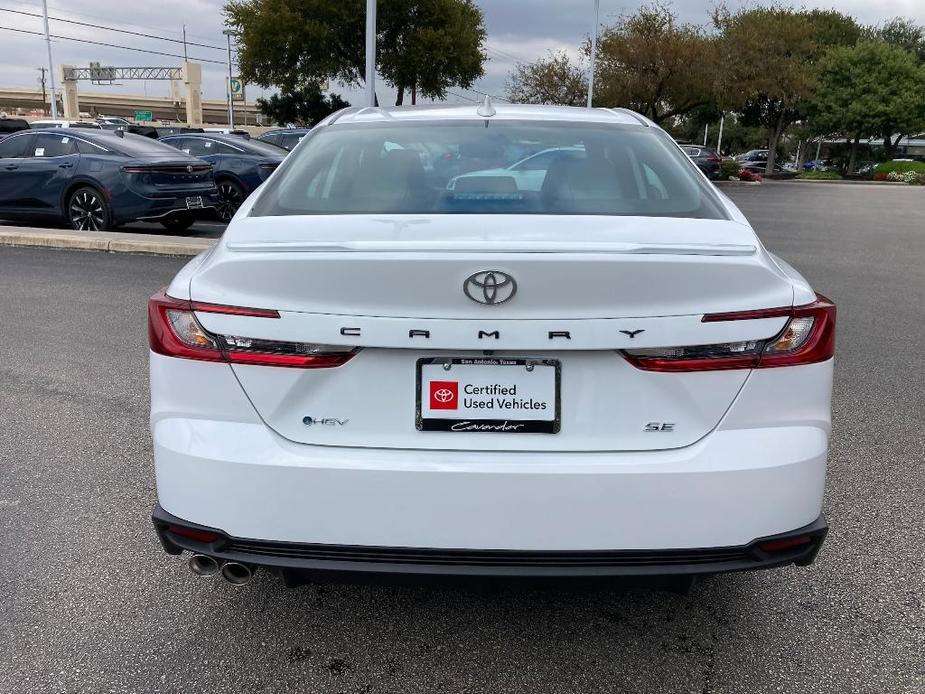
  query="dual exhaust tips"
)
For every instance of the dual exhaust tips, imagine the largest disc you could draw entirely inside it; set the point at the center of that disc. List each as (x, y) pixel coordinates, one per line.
(235, 573)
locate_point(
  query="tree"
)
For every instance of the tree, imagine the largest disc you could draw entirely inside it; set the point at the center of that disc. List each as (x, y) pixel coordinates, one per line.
(651, 63)
(769, 52)
(872, 88)
(303, 107)
(289, 43)
(425, 44)
(903, 33)
(431, 45)
(550, 80)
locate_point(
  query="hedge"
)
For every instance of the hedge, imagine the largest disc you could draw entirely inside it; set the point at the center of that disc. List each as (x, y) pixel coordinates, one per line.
(900, 167)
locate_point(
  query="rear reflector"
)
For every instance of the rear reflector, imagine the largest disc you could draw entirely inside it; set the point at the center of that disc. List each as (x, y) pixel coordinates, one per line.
(192, 533)
(807, 338)
(174, 332)
(785, 544)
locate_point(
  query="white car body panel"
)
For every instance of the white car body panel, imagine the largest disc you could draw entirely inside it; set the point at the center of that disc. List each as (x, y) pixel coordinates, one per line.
(737, 455)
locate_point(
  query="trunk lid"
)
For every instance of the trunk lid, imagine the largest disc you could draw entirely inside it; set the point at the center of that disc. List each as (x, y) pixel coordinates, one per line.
(395, 287)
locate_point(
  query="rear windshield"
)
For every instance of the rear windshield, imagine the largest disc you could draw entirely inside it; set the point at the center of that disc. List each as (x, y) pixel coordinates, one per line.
(262, 147)
(489, 167)
(138, 145)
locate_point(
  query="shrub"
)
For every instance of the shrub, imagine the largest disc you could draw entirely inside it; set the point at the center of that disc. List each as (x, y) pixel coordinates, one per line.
(913, 178)
(881, 176)
(729, 168)
(822, 175)
(746, 175)
(900, 167)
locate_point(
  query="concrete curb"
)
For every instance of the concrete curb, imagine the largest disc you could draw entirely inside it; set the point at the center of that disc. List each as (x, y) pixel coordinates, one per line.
(843, 182)
(108, 241)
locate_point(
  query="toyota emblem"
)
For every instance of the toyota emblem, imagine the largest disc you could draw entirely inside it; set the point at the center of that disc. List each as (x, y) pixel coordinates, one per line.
(443, 395)
(490, 287)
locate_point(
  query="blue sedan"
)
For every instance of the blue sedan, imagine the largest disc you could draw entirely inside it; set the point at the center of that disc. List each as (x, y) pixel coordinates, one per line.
(97, 179)
(240, 165)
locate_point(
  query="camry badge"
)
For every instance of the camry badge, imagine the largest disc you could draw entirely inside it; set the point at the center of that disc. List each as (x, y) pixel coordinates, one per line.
(490, 287)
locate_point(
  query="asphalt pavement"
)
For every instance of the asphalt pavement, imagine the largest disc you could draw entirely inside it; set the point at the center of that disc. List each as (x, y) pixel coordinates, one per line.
(90, 603)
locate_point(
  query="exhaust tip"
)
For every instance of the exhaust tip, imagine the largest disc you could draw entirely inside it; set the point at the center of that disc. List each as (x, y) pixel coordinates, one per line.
(237, 574)
(203, 565)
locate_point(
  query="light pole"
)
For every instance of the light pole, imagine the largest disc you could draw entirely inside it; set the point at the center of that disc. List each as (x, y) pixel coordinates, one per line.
(597, 13)
(51, 65)
(370, 52)
(229, 33)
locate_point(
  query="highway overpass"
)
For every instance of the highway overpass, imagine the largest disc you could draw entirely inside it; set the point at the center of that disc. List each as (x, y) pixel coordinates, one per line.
(15, 101)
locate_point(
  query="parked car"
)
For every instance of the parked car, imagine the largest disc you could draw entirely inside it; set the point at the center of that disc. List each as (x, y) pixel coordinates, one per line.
(761, 166)
(12, 125)
(240, 165)
(287, 138)
(97, 179)
(45, 124)
(164, 131)
(229, 131)
(374, 372)
(753, 155)
(527, 174)
(112, 120)
(706, 159)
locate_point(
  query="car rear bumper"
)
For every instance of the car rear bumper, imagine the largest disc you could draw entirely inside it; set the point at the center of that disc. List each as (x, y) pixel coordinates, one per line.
(298, 562)
(758, 475)
(161, 208)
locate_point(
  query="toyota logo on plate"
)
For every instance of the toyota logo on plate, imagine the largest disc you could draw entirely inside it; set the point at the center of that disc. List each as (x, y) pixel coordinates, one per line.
(490, 287)
(444, 395)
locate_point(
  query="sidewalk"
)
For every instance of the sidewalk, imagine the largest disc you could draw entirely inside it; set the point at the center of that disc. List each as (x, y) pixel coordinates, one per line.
(112, 242)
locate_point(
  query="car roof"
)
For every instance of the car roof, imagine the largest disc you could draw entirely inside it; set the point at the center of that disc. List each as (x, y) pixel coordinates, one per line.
(283, 131)
(438, 112)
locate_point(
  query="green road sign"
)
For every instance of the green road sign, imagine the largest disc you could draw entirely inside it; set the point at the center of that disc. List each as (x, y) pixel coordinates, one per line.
(237, 89)
(144, 116)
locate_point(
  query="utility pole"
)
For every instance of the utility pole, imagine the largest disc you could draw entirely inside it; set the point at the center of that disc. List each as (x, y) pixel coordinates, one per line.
(706, 134)
(185, 57)
(228, 33)
(370, 52)
(597, 14)
(44, 97)
(719, 140)
(51, 65)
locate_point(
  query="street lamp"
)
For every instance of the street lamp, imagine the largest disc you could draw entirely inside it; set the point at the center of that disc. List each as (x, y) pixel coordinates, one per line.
(370, 52)
(51, 64)
(229, 33)
(597, 15)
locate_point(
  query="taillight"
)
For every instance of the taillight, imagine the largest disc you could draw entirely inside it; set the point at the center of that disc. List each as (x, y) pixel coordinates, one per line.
(174, 332)
(808, 337)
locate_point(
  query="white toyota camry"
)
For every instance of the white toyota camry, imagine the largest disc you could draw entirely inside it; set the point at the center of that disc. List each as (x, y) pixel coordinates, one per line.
(402, 359)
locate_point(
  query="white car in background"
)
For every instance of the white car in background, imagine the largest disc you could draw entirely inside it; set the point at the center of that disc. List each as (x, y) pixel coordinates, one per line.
(373, 372)
(51, 123)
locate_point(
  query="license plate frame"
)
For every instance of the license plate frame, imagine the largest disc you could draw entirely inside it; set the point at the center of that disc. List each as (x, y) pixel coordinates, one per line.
(488, 424)
(194, 203)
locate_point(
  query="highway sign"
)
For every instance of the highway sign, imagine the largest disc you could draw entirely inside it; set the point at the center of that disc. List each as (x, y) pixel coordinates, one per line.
(144, 116)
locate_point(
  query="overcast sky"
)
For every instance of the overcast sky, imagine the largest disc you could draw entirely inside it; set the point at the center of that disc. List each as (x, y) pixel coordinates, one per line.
(518, 30)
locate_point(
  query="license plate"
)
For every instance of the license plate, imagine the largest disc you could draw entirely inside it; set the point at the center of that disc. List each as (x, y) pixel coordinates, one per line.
(488, 394)
(194, 203)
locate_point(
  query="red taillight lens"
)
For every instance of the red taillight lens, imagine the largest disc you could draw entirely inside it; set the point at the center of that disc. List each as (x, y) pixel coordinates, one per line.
(193, 534)
(785, 544)
(807, 338)
(174, 332)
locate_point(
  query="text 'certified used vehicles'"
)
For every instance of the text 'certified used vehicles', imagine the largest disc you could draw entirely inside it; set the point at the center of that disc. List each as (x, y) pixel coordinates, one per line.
(400, 359)
(239, 164)
(98, 179)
